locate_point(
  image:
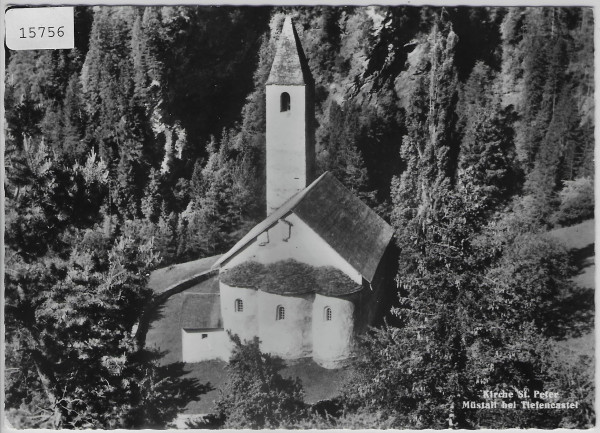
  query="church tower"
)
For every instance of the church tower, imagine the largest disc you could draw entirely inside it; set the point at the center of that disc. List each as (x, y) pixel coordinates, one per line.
(290, 148)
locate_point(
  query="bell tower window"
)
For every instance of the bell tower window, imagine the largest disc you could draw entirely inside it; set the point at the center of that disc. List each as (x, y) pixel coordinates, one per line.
(285, 101)
(327, 314)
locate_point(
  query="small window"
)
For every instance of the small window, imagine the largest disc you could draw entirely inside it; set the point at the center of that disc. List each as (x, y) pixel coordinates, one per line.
(327, 314)
(204, 336)
(285, 101)
(280, 313)
(239, 306)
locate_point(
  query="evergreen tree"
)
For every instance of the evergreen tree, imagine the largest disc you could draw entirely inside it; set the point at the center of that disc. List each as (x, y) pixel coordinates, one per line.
(256, 395)
(72, 302)
(151, 199)
(487, 169)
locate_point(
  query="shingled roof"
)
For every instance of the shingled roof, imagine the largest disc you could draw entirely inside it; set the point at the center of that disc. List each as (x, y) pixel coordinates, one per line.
(289, 65)
(348, 225)
(201, 311)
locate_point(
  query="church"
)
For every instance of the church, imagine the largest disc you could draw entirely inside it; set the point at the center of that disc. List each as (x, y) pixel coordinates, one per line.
(310, 277)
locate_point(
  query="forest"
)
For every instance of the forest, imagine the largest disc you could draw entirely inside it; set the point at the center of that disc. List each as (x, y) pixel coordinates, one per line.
(469, 129)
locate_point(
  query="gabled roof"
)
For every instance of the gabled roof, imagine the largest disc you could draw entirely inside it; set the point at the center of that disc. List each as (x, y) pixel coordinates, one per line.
(348, 225)
(201, 311)
(289, 65)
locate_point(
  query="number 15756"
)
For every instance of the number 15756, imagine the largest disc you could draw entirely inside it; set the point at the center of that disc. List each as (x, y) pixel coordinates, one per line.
(41, 32)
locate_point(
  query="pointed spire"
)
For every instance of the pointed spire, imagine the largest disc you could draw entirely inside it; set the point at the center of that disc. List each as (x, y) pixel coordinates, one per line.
(289, 66)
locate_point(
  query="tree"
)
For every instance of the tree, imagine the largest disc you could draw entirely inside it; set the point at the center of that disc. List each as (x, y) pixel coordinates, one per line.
(487, 168)
(151, 200)
(72, 302)
(340, 153)
(256, 395)
(453, 330)
(69, 327)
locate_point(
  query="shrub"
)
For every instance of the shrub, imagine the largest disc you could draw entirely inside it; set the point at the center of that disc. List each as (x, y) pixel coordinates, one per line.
(576, 202)
(256, 395)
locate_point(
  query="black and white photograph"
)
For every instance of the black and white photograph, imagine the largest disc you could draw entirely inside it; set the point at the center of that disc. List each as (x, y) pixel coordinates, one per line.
(343, 216)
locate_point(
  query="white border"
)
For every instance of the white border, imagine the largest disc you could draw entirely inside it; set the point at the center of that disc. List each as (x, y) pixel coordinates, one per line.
(504, 3)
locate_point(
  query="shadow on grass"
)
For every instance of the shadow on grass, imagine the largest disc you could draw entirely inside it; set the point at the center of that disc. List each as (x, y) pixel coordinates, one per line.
(156, 313)
(580, 257)
(173, 391)
(573, 316)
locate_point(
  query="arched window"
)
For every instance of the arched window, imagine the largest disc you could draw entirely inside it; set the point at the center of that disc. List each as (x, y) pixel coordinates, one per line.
(239, 305)
(280, 313)
(327, 315)
(285, 101)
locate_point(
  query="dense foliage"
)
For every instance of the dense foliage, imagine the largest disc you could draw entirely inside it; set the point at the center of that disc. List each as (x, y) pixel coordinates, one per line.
(256, 395)
(470, 130)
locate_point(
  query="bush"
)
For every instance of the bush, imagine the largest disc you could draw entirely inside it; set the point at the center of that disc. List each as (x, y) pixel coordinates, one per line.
(256, 395)
(576, 202)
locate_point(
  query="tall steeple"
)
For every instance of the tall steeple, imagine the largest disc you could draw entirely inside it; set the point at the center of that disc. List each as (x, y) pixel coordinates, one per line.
(290, 120)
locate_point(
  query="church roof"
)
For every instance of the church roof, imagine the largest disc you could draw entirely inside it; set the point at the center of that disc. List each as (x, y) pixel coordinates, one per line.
(348, 225)
(201, 311)
(289, 65)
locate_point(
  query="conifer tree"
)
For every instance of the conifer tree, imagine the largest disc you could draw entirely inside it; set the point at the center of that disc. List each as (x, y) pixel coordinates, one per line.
(256, 395)
(486, 166)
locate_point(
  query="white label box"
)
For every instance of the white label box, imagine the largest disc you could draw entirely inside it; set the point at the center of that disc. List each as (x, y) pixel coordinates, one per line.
(43, 28)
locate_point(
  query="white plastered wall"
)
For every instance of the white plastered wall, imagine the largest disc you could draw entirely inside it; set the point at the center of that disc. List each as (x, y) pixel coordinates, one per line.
(302, 244)
(286, 165)
(332, 339)
(243, 323)
(291, 337)
(202, 345)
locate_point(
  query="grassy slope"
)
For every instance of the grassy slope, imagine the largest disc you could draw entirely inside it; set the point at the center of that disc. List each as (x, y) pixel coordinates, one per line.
(579, 240)
(165, 331)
